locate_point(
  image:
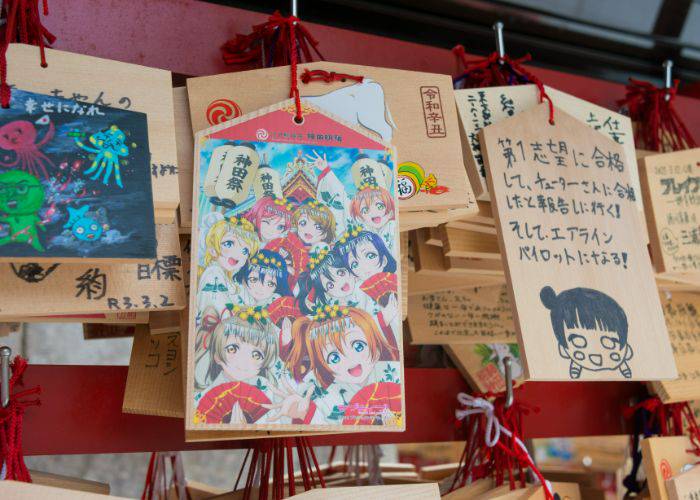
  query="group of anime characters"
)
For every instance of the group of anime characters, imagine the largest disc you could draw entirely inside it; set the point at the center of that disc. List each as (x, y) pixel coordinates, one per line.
(29, 182)
(297, 311)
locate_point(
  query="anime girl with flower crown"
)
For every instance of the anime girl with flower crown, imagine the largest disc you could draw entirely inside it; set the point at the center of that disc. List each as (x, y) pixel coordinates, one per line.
(340, 352)
(373, 207)
(272, 218)
(227, 245)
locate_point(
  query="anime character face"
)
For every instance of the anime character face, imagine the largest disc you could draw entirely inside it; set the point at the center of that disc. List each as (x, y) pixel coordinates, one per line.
(355, 362)
(309, 232)
(242, 360)
(595, 349)
(261, 286)
(366, 261)
(234, 253)
(341, 285)
(375, 214)
(272, 228)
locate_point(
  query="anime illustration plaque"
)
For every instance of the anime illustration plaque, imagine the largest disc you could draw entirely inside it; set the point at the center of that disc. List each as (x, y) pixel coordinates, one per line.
(75, 181)
(296, 309)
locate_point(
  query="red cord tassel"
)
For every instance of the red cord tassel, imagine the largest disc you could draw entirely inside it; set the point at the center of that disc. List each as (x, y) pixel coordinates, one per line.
(658, 125)
(23, 25)
(267, 468)
(11, 418)
(496, 71)
(268, 44)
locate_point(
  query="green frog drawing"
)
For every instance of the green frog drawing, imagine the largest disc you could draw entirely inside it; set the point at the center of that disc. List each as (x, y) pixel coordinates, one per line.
(21, 198)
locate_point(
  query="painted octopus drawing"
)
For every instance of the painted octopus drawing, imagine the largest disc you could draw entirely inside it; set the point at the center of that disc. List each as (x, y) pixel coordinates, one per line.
(75, 181)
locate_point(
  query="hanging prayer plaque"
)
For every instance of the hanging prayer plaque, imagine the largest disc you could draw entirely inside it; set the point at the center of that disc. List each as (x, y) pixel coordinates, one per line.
(581, 282)
(671, 189)
(295, 303)
(479, 108)
(75, 182)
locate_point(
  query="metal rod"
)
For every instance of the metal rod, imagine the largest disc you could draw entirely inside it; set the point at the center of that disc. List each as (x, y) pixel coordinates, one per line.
(668, 82)
(507, 368)
(500, 46)
(5, 353)
(294, 8)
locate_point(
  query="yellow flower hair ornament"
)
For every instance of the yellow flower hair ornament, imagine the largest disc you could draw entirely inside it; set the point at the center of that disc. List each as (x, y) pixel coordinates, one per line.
(352, 230)
(249, 313)
(283, 202)
(259, 260)
(368, 184)
(316, 258)
(330, 312)
(241, 222)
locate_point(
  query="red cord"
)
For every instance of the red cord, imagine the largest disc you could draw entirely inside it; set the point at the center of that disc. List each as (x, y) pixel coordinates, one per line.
(659, 127)
(327, 76)
(496, 71)
(22, 24)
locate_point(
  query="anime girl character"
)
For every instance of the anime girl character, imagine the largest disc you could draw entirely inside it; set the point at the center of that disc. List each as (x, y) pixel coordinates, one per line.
(591, 330)
(234, 363)
(227, 245)
(263, 279)
(329, 282)
(330, 191)
(340, 351)
(272, 218)
(373, 207)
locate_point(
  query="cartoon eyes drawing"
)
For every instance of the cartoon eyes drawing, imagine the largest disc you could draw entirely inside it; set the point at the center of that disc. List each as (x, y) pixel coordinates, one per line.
(381, 206)
(359, 345)
(231, 349)
(257, 355)
(80, 230)
(578, 340)
(227, 243)
(333, 358)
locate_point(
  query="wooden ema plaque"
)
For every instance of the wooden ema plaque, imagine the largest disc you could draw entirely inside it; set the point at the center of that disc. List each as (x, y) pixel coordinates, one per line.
(578, 271)
(671, 189)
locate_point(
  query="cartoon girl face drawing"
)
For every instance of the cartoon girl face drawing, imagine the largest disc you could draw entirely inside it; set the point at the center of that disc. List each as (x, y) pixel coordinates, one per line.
(265, 276)
(338, 283)
(230, 242)
(591, 330)
(351, 361)
(366, 255)
(272, 218)
(373, 207)
(314, 223)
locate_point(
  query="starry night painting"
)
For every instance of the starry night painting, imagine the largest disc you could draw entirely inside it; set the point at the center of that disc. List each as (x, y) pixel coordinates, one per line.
(75, 181)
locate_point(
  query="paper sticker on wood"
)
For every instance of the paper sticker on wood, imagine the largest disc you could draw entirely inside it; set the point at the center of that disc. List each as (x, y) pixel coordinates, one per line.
(296, 300)
(580, 277)
(482, 364)
(75, 182)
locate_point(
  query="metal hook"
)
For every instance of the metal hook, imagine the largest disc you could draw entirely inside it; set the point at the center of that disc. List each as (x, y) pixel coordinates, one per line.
(294, 8)
(668, 83)
(5, 353)
(507, 368)
(500, 46)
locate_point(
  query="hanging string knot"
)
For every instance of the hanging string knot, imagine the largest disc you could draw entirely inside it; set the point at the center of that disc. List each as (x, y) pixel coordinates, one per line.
(328, 76)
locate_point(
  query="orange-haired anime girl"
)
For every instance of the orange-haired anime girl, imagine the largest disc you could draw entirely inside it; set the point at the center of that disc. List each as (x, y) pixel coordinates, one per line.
(341, 351)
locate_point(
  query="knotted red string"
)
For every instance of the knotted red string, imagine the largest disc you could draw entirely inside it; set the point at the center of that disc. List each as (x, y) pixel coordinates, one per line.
(505, 457)
(23, 25)
(262, 44)
(321, 75)
(497, 71)
(658, 125)
(267, 460)
(11, 418)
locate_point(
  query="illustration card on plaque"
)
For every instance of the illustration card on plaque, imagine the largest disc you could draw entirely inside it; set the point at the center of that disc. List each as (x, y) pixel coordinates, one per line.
(295, 301)
(75, 181)
(581, 281)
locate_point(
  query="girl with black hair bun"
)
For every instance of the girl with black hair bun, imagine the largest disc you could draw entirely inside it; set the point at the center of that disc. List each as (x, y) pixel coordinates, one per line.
(591, 330)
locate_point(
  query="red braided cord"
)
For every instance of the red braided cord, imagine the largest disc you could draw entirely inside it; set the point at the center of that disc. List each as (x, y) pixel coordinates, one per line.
(659, 127)
(327, 76)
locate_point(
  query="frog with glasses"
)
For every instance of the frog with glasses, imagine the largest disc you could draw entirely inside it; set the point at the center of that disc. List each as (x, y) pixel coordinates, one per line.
(21, 199)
